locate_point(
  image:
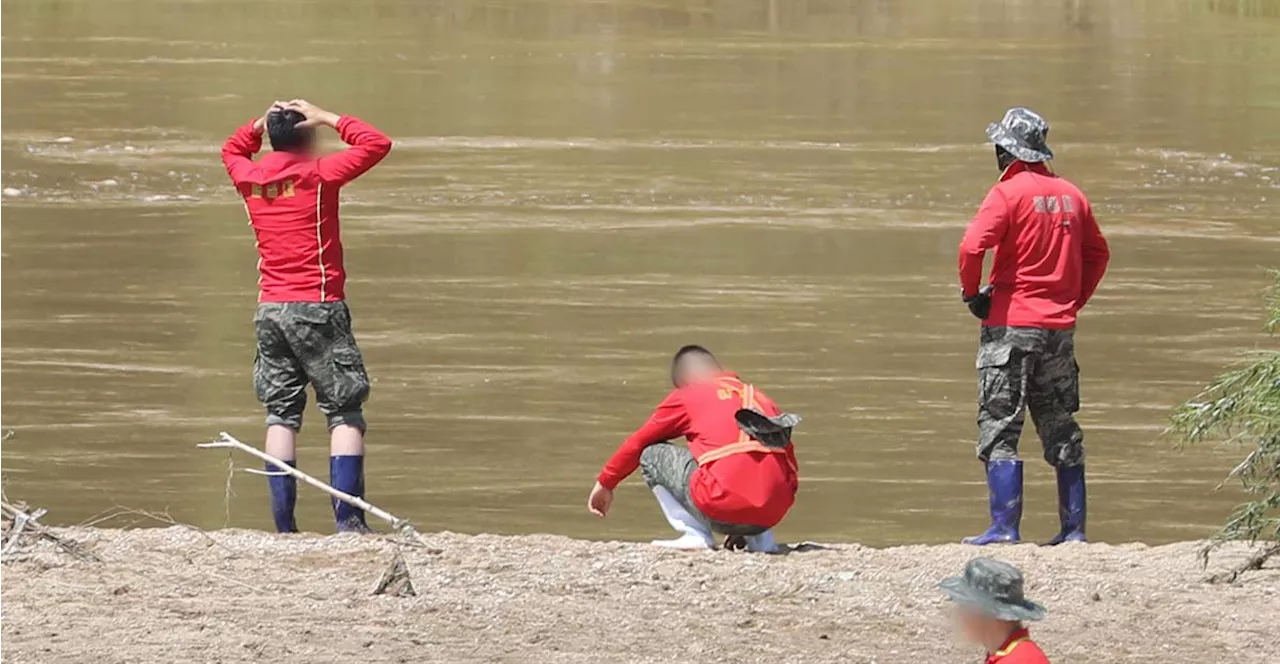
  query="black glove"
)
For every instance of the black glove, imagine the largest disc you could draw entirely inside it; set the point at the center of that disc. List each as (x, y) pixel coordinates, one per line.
(980, 304)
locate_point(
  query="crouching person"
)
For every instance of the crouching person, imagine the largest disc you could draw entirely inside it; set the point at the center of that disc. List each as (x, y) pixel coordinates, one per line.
(737, 477)
(990, 608)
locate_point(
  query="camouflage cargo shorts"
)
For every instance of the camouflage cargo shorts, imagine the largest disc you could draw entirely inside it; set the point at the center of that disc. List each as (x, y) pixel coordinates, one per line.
(671, 466)
(309, 342)
(1029, 369)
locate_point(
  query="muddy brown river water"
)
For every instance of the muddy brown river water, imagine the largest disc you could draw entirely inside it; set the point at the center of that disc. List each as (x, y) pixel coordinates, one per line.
(577, 189)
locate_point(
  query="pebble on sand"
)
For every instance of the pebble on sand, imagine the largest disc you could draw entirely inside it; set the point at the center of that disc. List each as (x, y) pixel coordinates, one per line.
(10, 191)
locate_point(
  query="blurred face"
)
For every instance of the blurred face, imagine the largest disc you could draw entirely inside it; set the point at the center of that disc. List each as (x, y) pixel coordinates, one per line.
(693, 368)
(971, 624)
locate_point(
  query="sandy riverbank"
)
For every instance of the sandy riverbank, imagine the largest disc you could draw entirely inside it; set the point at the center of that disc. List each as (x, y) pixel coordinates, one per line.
(176, 595)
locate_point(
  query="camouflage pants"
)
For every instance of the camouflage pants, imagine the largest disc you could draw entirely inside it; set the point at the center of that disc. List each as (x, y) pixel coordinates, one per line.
(1021, 369)
(671, 466)
(309, 342)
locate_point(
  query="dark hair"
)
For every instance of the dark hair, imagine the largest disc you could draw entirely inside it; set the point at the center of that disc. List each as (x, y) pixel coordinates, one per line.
(691, 349)
(282, 129)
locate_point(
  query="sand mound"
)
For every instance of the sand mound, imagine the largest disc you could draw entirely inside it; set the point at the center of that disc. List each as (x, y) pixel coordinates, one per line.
(177, 595)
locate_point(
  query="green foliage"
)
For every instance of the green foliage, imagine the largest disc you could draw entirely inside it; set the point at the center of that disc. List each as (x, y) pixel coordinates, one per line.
(1242, 406)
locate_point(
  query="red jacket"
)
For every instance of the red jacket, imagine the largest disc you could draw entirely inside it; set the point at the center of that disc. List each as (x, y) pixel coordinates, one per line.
(1050, 254)
(751, 488)
(292, 202)
(1019, 649)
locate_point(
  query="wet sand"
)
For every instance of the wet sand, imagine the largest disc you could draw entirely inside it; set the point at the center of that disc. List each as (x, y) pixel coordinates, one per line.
(178, 595)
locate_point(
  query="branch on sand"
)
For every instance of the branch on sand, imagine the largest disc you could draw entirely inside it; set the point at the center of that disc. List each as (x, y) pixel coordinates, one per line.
(20, 521)
(395, 579)
(227, 441)
(23, 525)
(1255, 562)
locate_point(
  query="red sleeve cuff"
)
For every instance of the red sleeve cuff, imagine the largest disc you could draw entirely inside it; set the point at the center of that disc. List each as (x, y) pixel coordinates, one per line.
(607, 481)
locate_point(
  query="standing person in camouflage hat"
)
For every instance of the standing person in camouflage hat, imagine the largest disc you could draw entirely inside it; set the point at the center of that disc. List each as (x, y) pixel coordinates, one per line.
(990, 608)
(1049, 258)
(303, 324)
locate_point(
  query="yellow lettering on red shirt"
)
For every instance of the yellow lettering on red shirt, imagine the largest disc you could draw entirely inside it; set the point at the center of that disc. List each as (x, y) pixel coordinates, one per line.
(272, 190)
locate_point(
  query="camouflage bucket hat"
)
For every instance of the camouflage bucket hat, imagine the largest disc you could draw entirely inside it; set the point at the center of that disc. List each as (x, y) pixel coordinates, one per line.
(771, 431)
(1023, 133)
(993, 587)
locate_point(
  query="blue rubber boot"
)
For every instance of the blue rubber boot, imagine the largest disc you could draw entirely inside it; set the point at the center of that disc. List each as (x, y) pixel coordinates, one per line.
(1004, 482)
(1071, 505)
(284, 496)
(346, 474)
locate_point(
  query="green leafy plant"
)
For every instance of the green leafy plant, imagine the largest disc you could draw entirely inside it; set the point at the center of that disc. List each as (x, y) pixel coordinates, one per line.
(1242, 406)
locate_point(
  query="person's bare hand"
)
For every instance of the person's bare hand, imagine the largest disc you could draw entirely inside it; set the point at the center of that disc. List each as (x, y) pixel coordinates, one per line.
(600, 500)
(260, 124)
(314, 115)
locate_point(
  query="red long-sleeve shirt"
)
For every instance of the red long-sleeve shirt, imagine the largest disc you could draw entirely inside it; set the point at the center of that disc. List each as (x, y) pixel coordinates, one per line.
(292, 201)
(752, 488)
(1049, 252)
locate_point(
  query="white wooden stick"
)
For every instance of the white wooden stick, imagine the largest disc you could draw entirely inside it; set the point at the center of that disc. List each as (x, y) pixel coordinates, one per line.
(20, 521)
(264, 473)
(23, 520)
(226, 440)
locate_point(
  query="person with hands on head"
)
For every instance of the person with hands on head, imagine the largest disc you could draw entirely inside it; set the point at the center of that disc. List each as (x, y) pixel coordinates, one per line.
(738, 475)
(1049, 258)
(303, 324)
